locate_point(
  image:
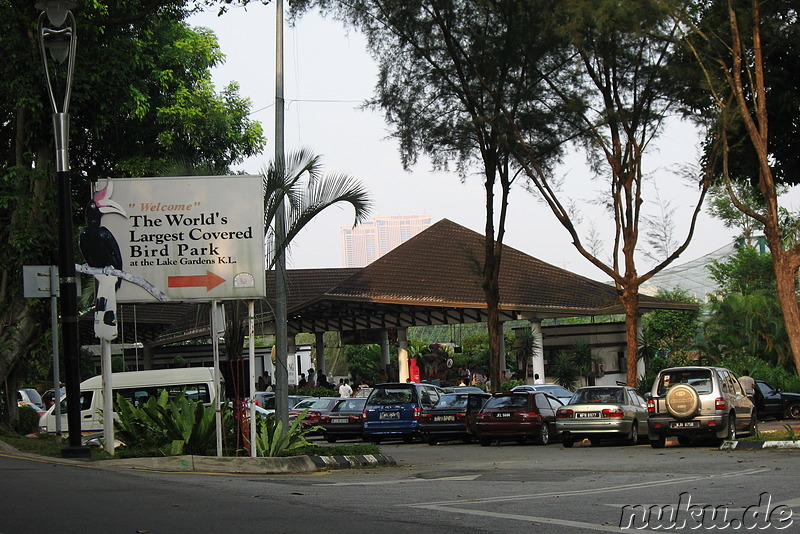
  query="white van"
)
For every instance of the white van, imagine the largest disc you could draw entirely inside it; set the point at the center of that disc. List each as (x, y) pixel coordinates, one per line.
(137, 387)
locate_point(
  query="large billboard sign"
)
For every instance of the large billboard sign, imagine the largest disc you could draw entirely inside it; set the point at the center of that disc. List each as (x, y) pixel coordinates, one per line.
(179, 238)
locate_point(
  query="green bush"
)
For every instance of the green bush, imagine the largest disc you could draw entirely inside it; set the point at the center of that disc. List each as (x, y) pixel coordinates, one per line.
(272, 441)
(171, 426)
(28, 421)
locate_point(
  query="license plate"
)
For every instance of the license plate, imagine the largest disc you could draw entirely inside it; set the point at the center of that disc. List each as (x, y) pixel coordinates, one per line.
(580, 415)
(503, 414)
(444, 417)
(340, 420)
(389, 415)
(684, 424)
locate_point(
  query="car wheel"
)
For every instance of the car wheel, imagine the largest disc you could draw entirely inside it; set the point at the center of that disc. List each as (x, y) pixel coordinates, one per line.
(567, 443)
(544, 435)
(659, 442)
(330, 439)
(485, 442)
(433, 441)
(633, 436)
(793, 410)
(595, 441)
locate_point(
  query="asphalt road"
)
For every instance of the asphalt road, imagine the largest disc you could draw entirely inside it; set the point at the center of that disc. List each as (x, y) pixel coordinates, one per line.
(446, 488)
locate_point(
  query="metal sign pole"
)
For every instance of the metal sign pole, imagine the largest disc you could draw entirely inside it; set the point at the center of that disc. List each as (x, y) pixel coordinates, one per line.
(56, 358)
(218, 394)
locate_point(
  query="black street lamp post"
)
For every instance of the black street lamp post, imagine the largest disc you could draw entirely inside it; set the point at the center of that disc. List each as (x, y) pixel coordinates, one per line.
(58, 37)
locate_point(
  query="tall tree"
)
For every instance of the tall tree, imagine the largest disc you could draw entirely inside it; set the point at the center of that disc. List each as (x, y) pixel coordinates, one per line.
(448, 69)
(141, 100)
(748, 53)
(620, 52)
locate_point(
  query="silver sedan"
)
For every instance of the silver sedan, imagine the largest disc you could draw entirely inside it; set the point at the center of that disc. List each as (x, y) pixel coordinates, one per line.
(603, 412)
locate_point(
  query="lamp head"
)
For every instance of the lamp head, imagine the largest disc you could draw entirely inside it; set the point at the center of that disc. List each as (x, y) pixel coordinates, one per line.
(56, 10)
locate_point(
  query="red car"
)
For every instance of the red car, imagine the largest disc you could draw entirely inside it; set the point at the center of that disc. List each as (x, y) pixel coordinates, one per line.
(519, 416)
(316, 406)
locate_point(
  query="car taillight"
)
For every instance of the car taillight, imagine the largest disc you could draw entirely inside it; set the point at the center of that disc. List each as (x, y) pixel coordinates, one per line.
(461, 415)
(529, 415)
(356, 418)
(651, 406)
(425, 415)
(719, 403)
(313, 415)
(364, 414)
(482, 416)
(324, 418)
(612, 412)
(417, 412)
(564, 413)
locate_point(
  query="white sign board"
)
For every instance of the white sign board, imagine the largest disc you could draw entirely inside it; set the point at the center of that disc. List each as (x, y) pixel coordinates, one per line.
(187, 238)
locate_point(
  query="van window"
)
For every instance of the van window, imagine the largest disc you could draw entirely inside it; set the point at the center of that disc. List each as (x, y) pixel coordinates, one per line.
(700, 379)
(139, 395)
(391, 395)
(86, 401)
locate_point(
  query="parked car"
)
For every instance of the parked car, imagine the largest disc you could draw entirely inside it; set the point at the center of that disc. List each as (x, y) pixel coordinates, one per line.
(559, 392)
(29, 396)
(453, 417)
(313, 407)
(345, 420)
(269, 402)
(518, 415)
(393, 410)
(603, 412)
(697, 402)
(776, 403)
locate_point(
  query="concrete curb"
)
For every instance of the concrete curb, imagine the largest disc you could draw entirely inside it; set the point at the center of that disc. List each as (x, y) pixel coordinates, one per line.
(758, 445)
(214, 464)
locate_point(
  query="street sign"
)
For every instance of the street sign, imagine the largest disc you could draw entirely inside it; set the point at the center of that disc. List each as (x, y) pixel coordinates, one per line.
(186, 238)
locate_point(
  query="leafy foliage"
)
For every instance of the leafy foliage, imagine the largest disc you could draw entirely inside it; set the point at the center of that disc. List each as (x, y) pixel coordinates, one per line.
(173, 426)
(271, 440)
(671, 331)
(745, 272)
(27, 421)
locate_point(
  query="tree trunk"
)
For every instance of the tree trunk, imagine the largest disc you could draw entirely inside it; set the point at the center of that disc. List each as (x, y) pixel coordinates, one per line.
(786, 264)
(630, 304)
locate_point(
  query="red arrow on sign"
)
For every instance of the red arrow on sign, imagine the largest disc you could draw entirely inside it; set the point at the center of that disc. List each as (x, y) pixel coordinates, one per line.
(209, 280)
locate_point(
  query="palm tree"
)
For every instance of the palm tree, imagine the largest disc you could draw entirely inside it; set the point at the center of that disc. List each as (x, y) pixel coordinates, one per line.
(297, 185)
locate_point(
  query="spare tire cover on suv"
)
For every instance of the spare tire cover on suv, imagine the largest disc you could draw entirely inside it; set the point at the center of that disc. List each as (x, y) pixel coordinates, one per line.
(682, 401)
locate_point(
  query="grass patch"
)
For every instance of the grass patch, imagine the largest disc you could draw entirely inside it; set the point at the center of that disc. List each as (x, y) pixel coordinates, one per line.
(786, 434)
(43, 445)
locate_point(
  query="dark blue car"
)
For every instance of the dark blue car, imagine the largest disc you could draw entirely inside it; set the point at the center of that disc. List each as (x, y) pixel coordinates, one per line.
(394, 410)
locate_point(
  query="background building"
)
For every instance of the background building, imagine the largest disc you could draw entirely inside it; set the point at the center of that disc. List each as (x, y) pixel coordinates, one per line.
(369, 241)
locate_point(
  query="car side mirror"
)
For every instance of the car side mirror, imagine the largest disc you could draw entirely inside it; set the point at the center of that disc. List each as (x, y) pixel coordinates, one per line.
(749, 391)
(648, 395)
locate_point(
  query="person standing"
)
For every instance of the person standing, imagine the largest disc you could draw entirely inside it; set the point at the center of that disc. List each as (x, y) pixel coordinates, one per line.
(312, 378)
(345, 391)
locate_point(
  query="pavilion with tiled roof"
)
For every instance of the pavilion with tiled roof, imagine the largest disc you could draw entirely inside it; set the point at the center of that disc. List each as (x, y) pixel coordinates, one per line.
(433, 278)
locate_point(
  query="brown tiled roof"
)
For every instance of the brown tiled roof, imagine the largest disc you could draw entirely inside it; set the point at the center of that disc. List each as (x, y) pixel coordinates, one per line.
(433, 278)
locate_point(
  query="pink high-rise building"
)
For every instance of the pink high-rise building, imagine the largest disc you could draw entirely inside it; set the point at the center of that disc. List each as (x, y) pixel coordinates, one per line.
(369, 241)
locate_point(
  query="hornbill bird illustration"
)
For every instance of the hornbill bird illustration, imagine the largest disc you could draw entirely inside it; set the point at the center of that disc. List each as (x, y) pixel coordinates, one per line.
(101, 249)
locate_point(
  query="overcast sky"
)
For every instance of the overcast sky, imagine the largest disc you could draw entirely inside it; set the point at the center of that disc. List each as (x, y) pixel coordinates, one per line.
(328, 74)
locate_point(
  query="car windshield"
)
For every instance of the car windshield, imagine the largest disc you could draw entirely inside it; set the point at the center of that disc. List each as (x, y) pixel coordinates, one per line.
(507, 401)
(452, 401)
(700, 379)
(312, 404)
(389, 396)
(557, 391)
(598, 396)
(349, 405)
